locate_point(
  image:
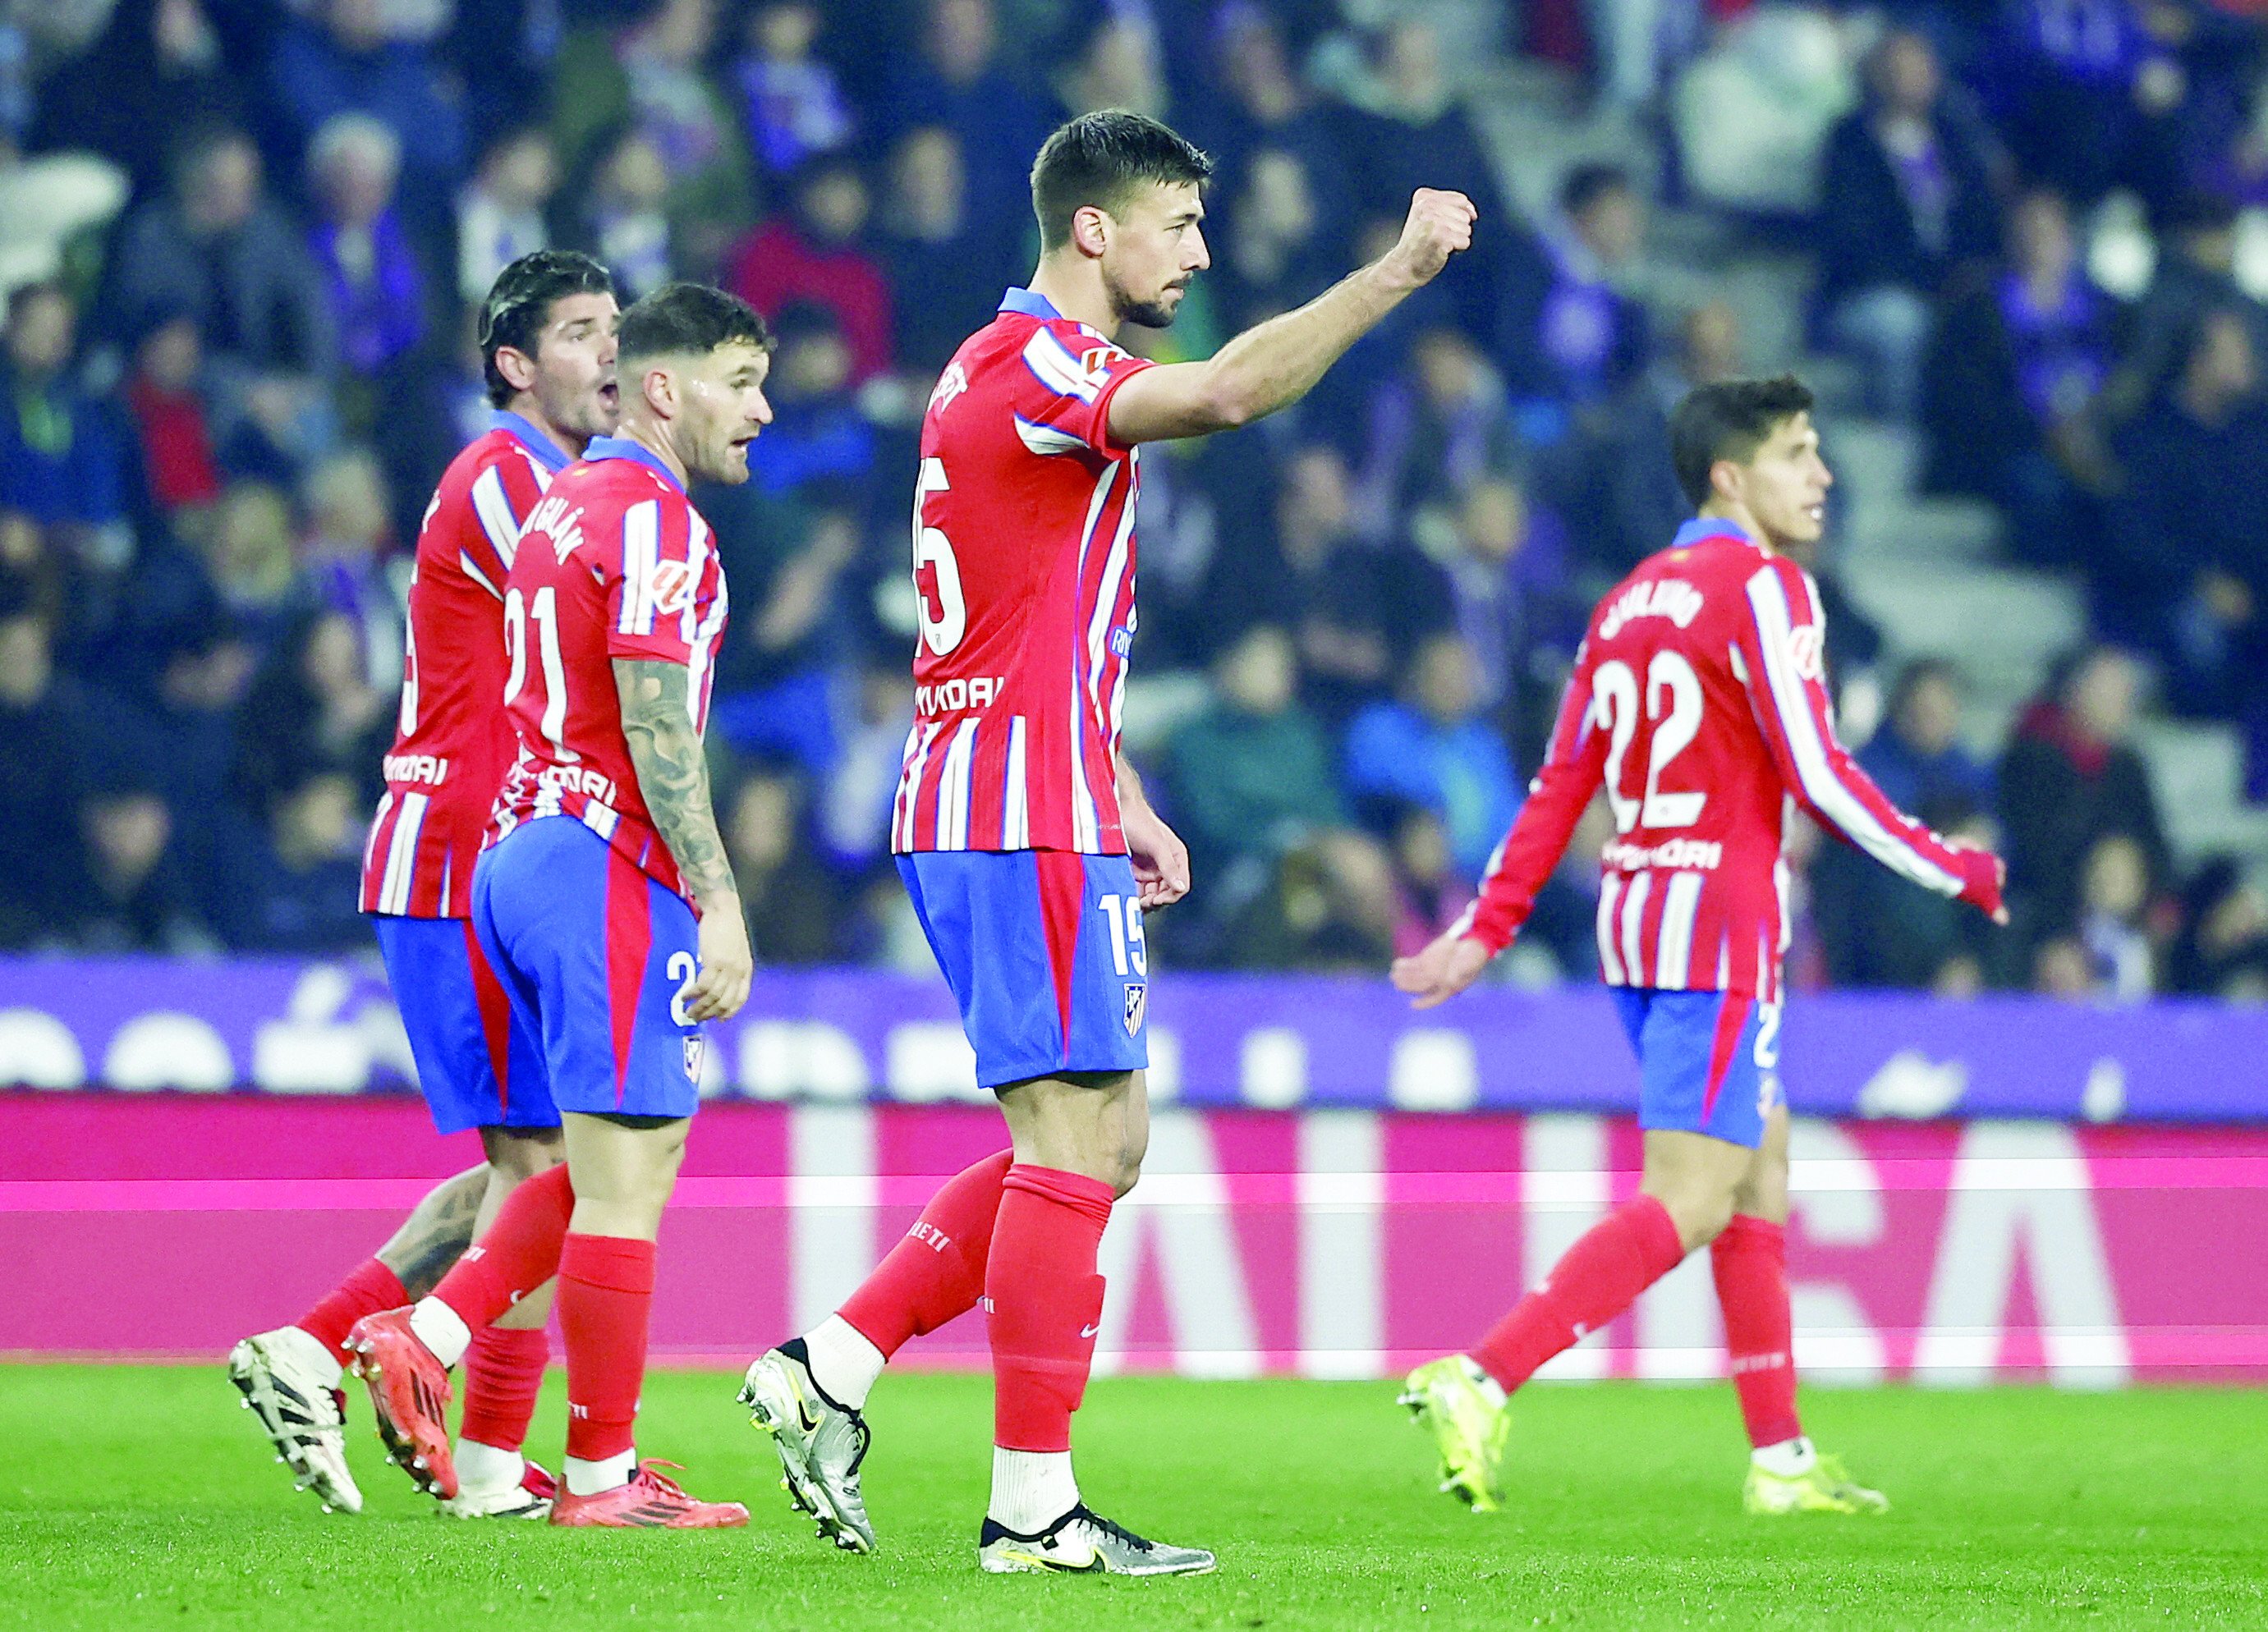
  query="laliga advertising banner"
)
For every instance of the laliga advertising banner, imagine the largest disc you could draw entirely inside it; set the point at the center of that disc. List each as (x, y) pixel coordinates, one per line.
(1325, 1242)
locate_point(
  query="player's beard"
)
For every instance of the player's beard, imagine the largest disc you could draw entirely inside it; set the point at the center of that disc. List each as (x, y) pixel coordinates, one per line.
(1149, 313)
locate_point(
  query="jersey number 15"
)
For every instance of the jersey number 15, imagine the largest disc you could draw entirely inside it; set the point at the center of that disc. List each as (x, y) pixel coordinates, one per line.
(942, 628)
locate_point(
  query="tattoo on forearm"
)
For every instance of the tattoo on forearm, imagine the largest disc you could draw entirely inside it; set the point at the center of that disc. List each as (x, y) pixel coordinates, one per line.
(436, 1232)
(672, 772)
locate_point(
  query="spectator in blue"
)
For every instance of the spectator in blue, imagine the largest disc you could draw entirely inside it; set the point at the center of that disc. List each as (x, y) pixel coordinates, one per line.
(1416, 134)
(821, 446)
(344, 59)
(2097, 94)
(2186, 573)
(375, 286)
(1572, 334)
(957, 79)
(1917, 756)
(46, 752)
(1434, 748)
(795, 107)
(1503, 561)
(293, 870)
(170, 55)
(217, 250)
(946, 266)
(2013, 386)
(1259, 104)
(1906, 196)
(1442, 425)
(1274, 252)
(1253, 775)
(61, 455)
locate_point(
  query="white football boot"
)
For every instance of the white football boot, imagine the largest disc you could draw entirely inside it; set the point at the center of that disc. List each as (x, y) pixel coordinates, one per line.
(821, 1445)
(1082, 1542)
(290, 1383)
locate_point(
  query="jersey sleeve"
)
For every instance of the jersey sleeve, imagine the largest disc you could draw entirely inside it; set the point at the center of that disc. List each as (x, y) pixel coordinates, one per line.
(1063, 402)
(501, 495)
(1781, 645)
(1573, 767)
(652, 583)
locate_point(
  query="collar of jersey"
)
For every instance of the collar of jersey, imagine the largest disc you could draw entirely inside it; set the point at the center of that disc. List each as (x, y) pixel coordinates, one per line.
(1030, 304)
(622, 447)
(548, 453)
(1693, 531)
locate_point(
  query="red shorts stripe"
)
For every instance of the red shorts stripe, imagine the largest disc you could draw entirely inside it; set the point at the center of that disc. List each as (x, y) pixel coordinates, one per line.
(495, 1016)
(1062, 899)
(1731, 1020)
(630, 939)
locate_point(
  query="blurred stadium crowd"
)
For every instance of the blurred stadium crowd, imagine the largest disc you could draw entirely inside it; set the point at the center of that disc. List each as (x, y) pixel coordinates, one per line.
(245, 239)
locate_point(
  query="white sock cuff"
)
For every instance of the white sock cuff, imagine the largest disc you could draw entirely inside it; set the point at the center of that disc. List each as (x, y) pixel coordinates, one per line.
(844, 1361)
(1031, 1489)
(1791, 1459)
(441, 1329)
(584, 1478)
(488, 1467)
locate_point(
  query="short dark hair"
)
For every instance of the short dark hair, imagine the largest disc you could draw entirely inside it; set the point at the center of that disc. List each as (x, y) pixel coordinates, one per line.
(1731, 420)
(1097, 158)
(690, 318)
(520, 305)
(1586, 184)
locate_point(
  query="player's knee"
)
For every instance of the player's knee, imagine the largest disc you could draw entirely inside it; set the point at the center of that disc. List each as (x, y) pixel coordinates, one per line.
(519, 1154)
(1132, 1147)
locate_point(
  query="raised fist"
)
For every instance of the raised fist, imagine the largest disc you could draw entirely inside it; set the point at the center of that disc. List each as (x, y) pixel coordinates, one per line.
(1440, 224)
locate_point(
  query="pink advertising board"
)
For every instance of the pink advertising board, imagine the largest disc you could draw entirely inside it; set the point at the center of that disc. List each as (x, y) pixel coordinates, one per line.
(1325, 1243)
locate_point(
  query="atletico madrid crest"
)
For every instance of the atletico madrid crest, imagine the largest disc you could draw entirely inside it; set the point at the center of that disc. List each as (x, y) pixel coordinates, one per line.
(695, 1046)
(1137, 999)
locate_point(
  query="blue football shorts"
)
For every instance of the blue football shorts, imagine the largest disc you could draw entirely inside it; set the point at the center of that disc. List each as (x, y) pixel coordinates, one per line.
(475, 1066)
(1708, 1061)
(591, 954)
(1044, 953)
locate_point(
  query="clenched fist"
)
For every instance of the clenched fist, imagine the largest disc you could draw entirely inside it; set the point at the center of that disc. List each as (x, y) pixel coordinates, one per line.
(1439, 226)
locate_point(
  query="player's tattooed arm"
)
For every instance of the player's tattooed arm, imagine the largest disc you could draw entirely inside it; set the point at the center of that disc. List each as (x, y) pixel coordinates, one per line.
(673, 776)
(437, 1232)
(671, 771)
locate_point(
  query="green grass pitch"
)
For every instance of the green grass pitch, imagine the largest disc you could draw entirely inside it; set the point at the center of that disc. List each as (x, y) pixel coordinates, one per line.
(139, 1496)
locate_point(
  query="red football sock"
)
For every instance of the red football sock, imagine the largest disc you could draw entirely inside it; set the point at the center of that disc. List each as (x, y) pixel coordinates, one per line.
(937, 1270)
(606, 1296)
(1750, 1261)
(371, 1288)
(1595, 1280)
(1046, 1301)
(520, 1252)
(504, 1372)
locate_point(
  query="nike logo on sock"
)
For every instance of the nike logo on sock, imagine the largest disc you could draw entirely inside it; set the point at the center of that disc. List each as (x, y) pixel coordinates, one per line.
(1089, 1331)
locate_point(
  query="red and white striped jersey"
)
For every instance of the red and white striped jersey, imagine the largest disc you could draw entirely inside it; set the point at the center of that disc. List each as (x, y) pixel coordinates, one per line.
(1024, 561)
(452, 745)
(1699, 702)
(615, 563)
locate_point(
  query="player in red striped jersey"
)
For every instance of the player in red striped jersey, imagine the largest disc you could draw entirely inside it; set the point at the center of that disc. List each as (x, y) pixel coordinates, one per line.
(604, 902)
(1698, 704)
(546, 337)
(1022, 834)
